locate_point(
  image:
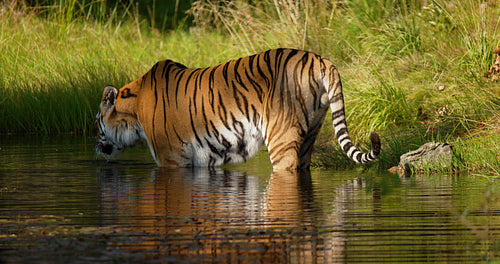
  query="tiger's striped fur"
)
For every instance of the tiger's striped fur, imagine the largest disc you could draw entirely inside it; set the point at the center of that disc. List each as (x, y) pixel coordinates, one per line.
(224, 114)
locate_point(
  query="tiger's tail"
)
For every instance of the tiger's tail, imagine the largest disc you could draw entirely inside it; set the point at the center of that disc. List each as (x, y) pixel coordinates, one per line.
(336, 100)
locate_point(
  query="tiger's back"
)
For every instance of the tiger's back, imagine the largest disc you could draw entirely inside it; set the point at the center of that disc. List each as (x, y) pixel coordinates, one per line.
(222, 114)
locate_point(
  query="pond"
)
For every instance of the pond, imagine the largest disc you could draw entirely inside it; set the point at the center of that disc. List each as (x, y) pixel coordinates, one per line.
(61, 204)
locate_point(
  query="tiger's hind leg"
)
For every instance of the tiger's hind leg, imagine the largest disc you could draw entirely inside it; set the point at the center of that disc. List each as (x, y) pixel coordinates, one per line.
(291, 147)
(284, 150)
(306, 147)
(291, 138)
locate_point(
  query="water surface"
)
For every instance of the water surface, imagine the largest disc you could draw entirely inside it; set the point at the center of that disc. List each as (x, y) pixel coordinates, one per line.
(58, 203)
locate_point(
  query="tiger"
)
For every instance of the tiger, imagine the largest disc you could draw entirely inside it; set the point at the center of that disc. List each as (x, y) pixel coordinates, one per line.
(207, 117)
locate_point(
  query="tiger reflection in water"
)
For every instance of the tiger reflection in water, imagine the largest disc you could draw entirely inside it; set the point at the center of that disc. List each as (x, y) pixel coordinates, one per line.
(201, 214)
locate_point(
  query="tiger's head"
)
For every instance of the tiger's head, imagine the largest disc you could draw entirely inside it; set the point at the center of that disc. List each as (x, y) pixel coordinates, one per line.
(117, 123)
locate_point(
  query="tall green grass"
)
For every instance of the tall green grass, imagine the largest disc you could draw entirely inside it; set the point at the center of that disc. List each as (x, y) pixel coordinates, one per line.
(479, 152)
(412, 70)
(52, 69)
(56, 60)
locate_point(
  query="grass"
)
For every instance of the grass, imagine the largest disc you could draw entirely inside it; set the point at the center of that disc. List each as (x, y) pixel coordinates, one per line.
(412, 70)
(55, 64)
(479, 152)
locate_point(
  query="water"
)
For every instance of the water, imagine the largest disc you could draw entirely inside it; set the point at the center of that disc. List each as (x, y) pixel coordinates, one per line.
(59, 204)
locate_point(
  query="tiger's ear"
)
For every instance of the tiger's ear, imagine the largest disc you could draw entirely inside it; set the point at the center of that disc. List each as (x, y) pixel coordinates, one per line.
(108, 98)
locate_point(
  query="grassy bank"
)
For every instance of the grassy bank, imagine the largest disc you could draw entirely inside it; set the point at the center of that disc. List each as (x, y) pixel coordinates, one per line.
(412, 70)
(55, 62)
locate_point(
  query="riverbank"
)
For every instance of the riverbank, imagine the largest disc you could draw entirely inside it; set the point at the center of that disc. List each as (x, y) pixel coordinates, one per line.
(414, 72)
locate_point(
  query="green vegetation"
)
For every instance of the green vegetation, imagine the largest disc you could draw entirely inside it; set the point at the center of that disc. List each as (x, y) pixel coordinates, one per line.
(56, 61)
(412, 70)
